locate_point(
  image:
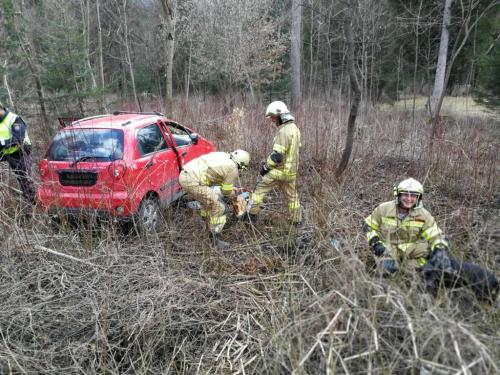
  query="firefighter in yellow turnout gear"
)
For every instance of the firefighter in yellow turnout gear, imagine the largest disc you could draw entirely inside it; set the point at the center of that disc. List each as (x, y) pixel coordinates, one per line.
(280, 168)
(402, 230)
(215, 168)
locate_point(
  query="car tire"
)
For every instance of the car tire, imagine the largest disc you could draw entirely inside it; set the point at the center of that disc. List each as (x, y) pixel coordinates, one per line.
(148, 216)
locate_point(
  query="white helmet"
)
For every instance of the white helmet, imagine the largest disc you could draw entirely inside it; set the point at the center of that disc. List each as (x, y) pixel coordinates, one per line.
(276, 108)
(241, 157)
(410, 185)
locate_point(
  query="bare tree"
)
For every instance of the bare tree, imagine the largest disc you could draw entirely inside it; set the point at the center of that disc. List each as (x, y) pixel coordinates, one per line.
(30, 57)
(437, 91)
(168, 7)
(99, 44)
(295, 52)
(356, 91)
(123, 34)
(241, 46)
(6, 84)
(470, 16)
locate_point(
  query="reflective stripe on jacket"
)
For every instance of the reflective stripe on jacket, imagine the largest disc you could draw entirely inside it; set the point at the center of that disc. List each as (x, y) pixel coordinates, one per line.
(6, 124)
(417, 226)
(287, 143)
(214, 168)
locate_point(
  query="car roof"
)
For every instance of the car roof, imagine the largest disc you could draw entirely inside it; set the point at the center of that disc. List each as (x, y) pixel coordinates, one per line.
(117, 120)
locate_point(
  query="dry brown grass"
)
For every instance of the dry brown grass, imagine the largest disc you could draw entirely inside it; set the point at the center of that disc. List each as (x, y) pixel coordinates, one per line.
(279, 301)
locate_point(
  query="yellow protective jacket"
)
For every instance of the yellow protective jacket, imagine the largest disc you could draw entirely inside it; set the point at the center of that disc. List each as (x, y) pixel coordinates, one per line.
(6, 133)
(214, 168)
(287, 143)
(417, 226)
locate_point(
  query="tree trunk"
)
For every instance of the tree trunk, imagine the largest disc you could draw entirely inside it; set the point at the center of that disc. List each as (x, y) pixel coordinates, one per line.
(7, 87)
(356, 94)
(169, 13)
(438, 90)
(128, 55)
(30, 59)
(295, 52)
(468, 23)
(188, 73)
(100, 55)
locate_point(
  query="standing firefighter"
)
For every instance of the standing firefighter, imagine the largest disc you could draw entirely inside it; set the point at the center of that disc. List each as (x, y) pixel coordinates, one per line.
(403, 231)
(280, 168)
(15, 148)
(215, 168)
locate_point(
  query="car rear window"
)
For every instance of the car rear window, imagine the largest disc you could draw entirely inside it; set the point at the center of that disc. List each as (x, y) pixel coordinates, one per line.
(99, 145)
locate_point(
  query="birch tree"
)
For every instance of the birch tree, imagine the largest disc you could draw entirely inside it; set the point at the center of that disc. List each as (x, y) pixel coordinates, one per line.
(439, 79)
(470, 13)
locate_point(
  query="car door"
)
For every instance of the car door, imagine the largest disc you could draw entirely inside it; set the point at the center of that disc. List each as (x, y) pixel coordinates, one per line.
(179, 154)
(154, 163)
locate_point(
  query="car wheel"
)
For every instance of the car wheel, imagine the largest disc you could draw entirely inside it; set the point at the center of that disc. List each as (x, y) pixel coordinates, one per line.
(148, 215)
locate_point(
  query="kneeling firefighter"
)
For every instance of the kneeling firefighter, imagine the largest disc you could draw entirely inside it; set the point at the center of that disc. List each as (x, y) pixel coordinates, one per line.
(215, 168)
(402, 231)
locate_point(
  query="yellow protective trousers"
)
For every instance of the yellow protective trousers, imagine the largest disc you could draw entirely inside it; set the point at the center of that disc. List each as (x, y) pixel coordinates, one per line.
(413, 255)
(287, 184)
(211, 206)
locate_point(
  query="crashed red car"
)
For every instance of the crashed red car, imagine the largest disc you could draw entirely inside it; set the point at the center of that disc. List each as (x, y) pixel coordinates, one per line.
(122, 165)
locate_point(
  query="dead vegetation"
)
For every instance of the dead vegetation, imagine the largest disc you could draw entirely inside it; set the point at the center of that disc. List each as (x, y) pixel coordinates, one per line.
(280, 301)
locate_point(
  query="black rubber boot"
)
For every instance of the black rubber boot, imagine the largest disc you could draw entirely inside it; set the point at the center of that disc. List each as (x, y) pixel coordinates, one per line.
(217, 243)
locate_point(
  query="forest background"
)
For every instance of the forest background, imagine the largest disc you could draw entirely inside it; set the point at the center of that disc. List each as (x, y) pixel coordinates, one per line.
(377, 97)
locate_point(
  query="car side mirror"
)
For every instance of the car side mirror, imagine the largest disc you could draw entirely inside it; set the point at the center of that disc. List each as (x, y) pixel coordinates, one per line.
(194, 137)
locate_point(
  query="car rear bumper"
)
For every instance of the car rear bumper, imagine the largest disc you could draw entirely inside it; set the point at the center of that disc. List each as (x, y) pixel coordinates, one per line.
(116, 204)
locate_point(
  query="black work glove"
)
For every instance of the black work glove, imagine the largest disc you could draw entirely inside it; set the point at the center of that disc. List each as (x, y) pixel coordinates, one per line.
(441, 259)
(378, 249)
(377, 246)
(264, 169)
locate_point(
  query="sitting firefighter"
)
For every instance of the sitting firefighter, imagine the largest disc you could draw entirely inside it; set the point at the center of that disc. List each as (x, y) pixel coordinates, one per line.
(403, 231)
(215, 168)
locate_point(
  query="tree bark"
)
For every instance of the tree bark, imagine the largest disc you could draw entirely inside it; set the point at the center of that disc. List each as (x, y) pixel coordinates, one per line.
(7, 87)
(295, 52)
(438, 89)
(128, 55)
(356, 94)
(169, 13)
(100, 54)
(467, 25)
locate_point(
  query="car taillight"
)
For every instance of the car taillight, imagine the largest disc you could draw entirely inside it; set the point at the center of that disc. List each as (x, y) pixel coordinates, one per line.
(43, 168)
(117, 169)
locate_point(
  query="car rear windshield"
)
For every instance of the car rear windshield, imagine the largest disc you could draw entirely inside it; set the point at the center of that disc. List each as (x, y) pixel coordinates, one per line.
(87, 144)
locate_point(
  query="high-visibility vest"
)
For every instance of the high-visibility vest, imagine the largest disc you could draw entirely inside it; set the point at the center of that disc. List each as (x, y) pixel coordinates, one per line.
(6, 133)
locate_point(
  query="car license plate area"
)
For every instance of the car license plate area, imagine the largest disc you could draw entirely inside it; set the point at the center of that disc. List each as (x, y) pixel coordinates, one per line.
(71, 178)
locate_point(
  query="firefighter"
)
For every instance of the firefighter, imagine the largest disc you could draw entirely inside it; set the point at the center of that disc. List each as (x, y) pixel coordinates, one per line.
(403, 230)
(15, 149)
(215, 168)
(280, 168)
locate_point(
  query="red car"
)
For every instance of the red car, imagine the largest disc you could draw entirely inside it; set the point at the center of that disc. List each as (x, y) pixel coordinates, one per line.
(125, 165)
